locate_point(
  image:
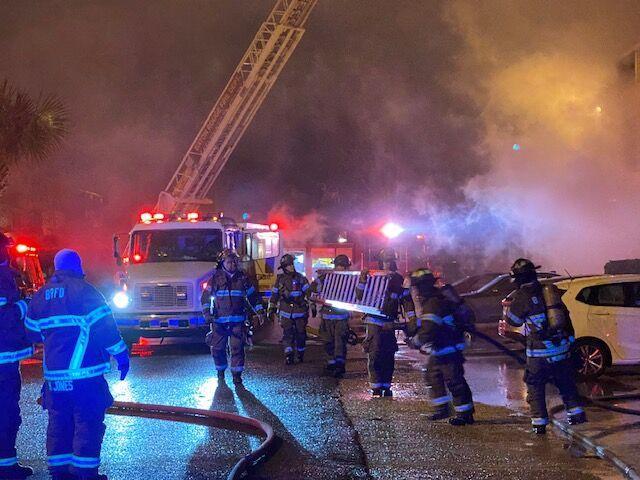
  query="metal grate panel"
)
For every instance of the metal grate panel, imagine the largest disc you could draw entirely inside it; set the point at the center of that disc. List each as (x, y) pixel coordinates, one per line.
(162, 296)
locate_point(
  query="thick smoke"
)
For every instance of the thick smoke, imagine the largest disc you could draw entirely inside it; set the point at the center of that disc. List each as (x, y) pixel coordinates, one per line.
(545, 76)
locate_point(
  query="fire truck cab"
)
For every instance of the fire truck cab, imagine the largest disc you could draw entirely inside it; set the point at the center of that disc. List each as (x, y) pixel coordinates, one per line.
(166, 265)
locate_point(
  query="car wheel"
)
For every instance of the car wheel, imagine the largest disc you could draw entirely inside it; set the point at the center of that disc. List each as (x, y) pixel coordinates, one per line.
(592, 357)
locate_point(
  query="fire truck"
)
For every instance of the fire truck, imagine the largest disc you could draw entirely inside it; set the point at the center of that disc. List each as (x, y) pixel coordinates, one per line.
(26, 260)
(170, 253)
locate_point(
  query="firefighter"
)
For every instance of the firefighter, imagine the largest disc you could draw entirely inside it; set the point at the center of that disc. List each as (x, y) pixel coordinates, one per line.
(79, 333)
(334, 324)
(548, 345)
(440, 325)
(290, 300)
(380, 342)
(14, 346)
(233, 300)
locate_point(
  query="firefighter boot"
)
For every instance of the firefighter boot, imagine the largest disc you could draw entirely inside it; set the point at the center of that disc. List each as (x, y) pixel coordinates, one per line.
(16, 471)
(237, 378)
(539, 429)
(464, 418)
(377, 392)
(440, 413)
(220, 375)
(339, 370)
(301, 357)
(577, 418)
(387, 392)
(288, 359)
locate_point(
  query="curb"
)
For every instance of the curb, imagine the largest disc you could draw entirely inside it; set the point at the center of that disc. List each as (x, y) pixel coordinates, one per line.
(602, 452)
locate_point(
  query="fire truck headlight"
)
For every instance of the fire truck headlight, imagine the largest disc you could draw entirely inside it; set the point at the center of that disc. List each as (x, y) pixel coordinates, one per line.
(391, 230)
(121, 300)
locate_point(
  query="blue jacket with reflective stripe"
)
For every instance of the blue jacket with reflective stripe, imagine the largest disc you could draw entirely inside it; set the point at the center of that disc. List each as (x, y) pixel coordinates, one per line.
(14, 345)
(76, 326)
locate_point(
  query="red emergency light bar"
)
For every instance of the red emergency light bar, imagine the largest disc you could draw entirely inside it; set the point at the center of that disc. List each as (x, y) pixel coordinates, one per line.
(22, 248)
(148, 217)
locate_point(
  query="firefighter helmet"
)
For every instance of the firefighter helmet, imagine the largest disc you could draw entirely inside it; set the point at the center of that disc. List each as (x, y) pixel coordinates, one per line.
(423, 276)
(523, 266)
(287, 259)
(227, 253)
(342, 261)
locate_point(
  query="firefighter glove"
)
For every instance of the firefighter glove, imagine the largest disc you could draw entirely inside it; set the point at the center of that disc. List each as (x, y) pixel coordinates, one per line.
(123, 363)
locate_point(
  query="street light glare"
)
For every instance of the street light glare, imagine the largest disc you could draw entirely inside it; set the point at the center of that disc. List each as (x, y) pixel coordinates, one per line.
(391, 230)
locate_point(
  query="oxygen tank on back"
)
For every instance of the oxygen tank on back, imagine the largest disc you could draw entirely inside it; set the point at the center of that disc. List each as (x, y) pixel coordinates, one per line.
(556, 312)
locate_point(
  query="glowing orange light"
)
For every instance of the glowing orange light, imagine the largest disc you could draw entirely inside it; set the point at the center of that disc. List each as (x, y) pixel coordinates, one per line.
(193, 216)
(158, 216)
(146, 217)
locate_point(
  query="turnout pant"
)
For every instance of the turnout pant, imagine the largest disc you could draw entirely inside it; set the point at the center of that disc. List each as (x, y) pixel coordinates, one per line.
(10, 419)
(381, 347)
(231, 335)
(445, 376)
(76, 424)
(294, 333)
(538, 373)
(335, 333)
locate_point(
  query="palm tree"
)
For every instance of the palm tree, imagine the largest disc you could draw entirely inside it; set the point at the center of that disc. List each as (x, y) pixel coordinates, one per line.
(29, 130)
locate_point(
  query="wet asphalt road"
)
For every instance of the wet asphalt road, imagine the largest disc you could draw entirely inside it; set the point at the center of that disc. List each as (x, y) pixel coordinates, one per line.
(330, 430)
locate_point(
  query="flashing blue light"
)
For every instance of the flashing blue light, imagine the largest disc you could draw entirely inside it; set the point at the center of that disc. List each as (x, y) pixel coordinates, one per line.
(516, 147)
(245, 216)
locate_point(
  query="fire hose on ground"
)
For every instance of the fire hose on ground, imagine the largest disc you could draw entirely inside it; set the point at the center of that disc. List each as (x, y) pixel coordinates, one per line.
(209, 418)
(600, 402)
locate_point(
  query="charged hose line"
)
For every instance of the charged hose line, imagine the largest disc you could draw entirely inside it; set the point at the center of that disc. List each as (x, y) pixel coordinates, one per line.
(209, 418)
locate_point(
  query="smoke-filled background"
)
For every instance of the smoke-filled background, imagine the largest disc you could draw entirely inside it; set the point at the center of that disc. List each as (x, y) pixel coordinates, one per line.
(496, 128)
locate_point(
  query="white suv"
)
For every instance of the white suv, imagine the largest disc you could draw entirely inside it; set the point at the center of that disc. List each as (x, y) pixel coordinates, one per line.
(605, 312)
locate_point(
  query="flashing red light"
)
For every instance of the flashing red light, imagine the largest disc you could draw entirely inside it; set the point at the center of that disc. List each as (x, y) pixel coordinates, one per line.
(273, 227)
(158, 216)
(146, 217)
(203, 285)
(137, 257)
(193, 216)
(22, 248)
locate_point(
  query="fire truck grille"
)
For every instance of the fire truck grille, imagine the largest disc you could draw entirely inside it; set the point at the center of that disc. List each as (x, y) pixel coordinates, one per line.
(164, 296)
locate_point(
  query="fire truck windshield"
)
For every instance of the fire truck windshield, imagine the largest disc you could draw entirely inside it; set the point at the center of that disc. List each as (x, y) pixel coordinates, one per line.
(188, 245)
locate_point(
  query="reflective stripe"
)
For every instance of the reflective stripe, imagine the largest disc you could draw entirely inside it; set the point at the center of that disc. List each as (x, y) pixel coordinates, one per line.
(331, 362)
(8, 462)
(406, 293)
(221, 367)
(375, 321)
(81, 348)
(230, 319)
(575, 411)
(451, 349)
(22, 305)
(237, 369)
(361, 286)
(59, 460)
(463, 408)
(59, 321)
(305, 287)
(117, 348)
(97, 314)
(514, 318)
(31, 324)
(337, 316)
(539, 421)
(3, 301)
(548, 352)
(441, 400)
(376, 385)
(250, 290)
(258, 307)
(411, 314)
(79, 374)
(292, 315)
(296, 293)
(230, 293)
(431, 317)
(300, 349)
(386, 385)
(85, 462)
(339, 360)
(16, 356)
(394, 295)
(274, 290)
(288, 350)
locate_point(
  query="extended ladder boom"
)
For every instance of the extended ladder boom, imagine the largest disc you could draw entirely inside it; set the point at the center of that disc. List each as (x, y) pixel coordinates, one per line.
(237, 105)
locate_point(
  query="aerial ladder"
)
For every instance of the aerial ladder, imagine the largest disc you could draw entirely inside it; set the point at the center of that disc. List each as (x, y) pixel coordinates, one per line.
(232, 113)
